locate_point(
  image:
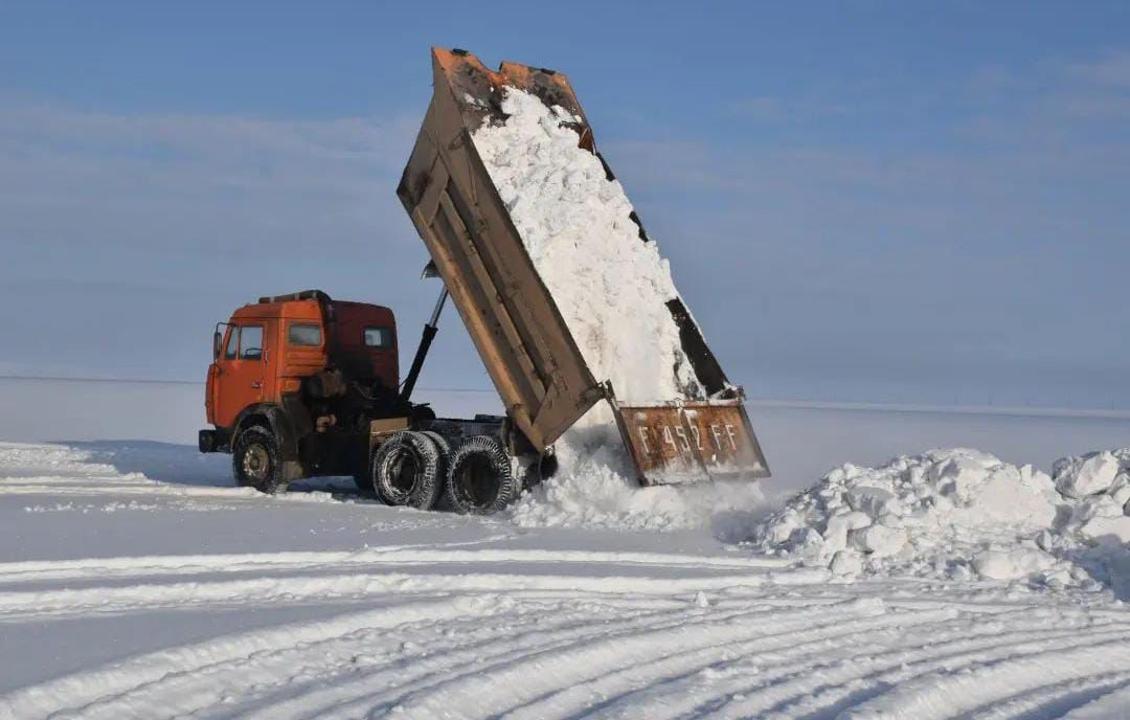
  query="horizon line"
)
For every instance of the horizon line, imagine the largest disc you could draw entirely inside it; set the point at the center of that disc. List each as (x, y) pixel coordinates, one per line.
(766, 402)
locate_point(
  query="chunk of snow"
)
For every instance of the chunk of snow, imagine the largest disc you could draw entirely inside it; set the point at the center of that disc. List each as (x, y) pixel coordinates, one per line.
(1120, 491)
(873, 501)
(846, 562)
(1090, 476)
(1107, 530)
(879, 540)
(835, 535)
(1010, 564)
(1015, 495)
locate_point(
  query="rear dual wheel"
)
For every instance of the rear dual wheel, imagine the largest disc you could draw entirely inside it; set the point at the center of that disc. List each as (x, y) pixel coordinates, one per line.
(414, 469)
(480, 480)
(407, 470)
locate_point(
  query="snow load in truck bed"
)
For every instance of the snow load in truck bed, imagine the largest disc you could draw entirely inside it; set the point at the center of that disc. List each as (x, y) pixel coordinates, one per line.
(610, 285)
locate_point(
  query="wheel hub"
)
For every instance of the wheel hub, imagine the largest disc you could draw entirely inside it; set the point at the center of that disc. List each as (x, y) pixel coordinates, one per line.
(256, 462)
(402, 469)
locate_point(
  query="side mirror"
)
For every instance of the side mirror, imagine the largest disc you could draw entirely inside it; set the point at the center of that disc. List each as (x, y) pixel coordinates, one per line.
(217, 339)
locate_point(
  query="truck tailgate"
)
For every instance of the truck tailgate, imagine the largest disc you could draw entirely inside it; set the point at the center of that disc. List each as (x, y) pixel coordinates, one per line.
(688, 442)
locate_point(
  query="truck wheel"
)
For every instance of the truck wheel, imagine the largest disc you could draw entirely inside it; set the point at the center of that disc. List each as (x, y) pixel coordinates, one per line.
(444, 448)
(406, 470)
(479, 477)
(255, 460)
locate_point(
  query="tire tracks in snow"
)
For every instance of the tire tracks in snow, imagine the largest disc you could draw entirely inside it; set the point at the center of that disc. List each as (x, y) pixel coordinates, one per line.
(541, 634)
(235, 681)
(171, 565)
(122, 585)
(80, 689)
(954, 694)
(534, 666)
(671, 680)
(612, 592)
(834, 689)
(543, 671)
(55, 604)
(1054, 700)
(191, 691)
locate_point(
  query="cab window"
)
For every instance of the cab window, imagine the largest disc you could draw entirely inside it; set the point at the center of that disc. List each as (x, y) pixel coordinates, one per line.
(251, 342)
(231, 352)
(304, 335)
(378, 337)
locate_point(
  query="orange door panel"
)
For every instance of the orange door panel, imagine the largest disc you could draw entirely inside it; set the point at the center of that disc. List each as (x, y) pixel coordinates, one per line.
(241, 375)
(210, 390)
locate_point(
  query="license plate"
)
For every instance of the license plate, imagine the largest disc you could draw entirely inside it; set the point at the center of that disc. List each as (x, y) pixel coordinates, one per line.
(691, 442)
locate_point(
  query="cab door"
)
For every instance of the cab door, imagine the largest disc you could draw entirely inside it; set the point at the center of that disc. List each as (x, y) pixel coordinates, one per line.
(241, 370)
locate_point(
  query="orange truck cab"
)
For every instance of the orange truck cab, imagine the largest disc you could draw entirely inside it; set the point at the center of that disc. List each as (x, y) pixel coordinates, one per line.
(267, 349)
(312, 370)
(302, 385)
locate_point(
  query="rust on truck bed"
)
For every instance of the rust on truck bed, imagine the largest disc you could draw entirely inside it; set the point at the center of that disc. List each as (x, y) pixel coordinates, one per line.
(531, 356)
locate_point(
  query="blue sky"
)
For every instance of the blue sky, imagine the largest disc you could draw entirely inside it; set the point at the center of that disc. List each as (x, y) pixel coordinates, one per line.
(871, 201)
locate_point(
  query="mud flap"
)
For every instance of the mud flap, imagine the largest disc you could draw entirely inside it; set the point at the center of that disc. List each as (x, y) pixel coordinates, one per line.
(679, 443)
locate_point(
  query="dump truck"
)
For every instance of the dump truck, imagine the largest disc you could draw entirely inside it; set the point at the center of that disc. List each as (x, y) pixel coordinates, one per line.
(305, 385)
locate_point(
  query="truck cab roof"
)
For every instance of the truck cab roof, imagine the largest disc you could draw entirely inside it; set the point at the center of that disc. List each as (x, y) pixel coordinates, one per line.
(309, 304)
(309, 331)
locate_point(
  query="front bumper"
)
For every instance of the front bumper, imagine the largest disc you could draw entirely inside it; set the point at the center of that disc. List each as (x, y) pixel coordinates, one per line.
(210, 441)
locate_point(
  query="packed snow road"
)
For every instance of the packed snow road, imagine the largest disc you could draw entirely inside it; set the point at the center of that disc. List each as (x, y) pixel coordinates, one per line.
(136, 582)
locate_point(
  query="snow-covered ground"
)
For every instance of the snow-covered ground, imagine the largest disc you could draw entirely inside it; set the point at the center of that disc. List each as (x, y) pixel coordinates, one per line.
(135, 581)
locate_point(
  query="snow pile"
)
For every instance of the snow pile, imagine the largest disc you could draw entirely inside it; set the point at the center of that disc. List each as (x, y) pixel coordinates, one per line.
(1094, 523)
(595, 488)
(610, 286)
(963, 514)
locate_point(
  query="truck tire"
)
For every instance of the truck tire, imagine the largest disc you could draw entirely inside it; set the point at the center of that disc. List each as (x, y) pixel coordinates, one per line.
(479, 477)
(444, 448)
(256, 462)
(406, 471)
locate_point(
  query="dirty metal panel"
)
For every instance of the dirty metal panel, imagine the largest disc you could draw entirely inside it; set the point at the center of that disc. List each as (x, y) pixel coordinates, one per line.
(380, 429)
(673, 444)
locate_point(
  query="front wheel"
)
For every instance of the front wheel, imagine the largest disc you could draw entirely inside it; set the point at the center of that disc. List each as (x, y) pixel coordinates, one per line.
(479, 477)
(255, 460)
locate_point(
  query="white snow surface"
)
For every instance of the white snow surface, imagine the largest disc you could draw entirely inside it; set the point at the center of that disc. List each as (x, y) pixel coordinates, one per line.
(136, 582)
(961, 514)
(610, 286)
(593, 489)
